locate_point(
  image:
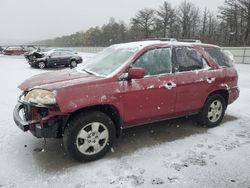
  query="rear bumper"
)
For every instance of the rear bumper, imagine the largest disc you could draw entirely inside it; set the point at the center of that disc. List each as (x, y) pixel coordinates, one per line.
(233, 94)
(44, 127)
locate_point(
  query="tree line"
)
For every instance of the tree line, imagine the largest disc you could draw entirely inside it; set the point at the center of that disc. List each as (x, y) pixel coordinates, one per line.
(230, 26)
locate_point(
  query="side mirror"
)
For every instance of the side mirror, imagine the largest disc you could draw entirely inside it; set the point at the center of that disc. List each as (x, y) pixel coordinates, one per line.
(136, 73)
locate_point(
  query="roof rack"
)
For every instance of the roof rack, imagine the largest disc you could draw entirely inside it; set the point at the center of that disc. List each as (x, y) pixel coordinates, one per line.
(163, 39)
(190, 40)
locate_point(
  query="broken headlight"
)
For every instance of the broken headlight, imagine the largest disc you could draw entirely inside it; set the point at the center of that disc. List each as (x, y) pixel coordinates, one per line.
(40, 96)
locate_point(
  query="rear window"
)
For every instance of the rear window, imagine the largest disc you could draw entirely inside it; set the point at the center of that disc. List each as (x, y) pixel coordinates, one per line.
(220, 58)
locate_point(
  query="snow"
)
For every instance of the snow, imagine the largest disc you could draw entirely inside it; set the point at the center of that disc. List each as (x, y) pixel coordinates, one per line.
(211, 80)
(226, 86)
(151, 87)
(176, 153)
(139, 44)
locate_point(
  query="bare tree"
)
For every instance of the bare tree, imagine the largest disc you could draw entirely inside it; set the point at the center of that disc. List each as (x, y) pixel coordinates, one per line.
(188, 17)
(166, 18)
(144, 21)
(229, 14)
(204, 22)
(195, 15)
(230, 26)
(245, 18)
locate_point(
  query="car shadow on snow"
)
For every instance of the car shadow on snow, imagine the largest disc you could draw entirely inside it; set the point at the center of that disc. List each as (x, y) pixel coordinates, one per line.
(54, 158)
(155, 134)
(158, 133)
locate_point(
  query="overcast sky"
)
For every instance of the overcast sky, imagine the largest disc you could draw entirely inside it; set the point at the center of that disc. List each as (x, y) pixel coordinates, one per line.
(29, 20)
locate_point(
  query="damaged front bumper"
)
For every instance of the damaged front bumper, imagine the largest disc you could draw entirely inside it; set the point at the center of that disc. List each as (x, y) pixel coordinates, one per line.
(42, 122)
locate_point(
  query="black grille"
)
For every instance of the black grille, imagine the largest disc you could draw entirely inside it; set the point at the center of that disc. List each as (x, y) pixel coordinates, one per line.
(27, 112)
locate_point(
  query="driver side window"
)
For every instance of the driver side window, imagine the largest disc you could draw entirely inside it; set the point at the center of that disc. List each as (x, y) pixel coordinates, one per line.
(55, 54)
(155, 62)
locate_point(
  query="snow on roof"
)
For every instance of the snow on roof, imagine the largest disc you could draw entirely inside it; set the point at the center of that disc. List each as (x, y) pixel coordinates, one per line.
(138, 44)
(142, 44)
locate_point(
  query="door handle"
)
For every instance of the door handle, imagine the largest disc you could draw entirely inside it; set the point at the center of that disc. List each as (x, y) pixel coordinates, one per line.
(170, 85)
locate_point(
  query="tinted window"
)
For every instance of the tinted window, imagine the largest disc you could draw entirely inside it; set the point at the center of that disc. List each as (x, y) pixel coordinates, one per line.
(155, 62)
(66, 54)
(187, 59)
(55, 54)
(219, 57)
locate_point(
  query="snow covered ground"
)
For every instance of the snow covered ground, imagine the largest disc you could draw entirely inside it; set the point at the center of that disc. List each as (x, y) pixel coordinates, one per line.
(174, 153)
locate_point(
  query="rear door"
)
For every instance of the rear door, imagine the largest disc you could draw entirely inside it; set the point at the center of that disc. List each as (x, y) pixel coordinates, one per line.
(187, 65)
(151, 98)
(65, 58)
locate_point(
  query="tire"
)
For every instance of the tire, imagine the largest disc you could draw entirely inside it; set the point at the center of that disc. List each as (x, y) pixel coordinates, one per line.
(89, 136)
(73, 64)
(41, 65)
(213, 111)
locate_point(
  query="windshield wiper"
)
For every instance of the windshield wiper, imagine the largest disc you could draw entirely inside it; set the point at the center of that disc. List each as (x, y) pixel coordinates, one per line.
(91, 73)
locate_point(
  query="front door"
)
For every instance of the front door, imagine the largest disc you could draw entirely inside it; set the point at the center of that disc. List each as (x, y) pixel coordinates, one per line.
(65, 58)
(151, 98)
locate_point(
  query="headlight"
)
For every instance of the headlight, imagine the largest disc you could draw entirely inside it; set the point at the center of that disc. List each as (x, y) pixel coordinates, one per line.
(40, 96)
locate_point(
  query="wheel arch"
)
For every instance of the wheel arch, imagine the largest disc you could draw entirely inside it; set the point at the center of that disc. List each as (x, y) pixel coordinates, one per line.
(223, 92)
(72, 59)
(109, 110)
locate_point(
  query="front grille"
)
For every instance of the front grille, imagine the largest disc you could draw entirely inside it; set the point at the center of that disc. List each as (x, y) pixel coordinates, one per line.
(43, 111)
(27, 112)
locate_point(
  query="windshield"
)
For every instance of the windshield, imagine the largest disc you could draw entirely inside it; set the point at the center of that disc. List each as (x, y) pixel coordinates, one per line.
(109, 60)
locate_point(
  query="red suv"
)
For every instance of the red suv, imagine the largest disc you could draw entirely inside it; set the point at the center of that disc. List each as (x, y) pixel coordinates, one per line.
(124, 86)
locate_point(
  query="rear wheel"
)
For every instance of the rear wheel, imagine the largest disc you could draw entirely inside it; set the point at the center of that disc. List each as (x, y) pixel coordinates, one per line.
(41, 65)
(89, 136)
(213, 111)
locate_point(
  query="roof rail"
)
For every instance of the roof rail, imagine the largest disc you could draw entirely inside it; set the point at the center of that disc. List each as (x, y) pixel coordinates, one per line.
(190, 40)
(163, 39)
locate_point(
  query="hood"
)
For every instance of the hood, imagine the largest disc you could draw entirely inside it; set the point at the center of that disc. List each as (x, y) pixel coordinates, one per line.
(56, 80)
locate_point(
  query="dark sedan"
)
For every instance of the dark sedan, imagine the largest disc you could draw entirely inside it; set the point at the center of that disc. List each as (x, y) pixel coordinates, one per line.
(56, 59)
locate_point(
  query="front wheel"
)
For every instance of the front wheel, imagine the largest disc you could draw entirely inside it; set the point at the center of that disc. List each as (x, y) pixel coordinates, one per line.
(213, 111)
(41, 65)
(89, 136)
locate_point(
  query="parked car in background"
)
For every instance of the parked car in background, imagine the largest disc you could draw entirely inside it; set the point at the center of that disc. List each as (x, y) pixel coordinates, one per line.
(37, 53)
(55, 58)
(124, 86)
(15, 50)
(65, 50)
(1, 49)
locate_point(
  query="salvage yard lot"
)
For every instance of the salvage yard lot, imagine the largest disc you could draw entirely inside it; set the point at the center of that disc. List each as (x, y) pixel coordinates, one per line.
(174, 153)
